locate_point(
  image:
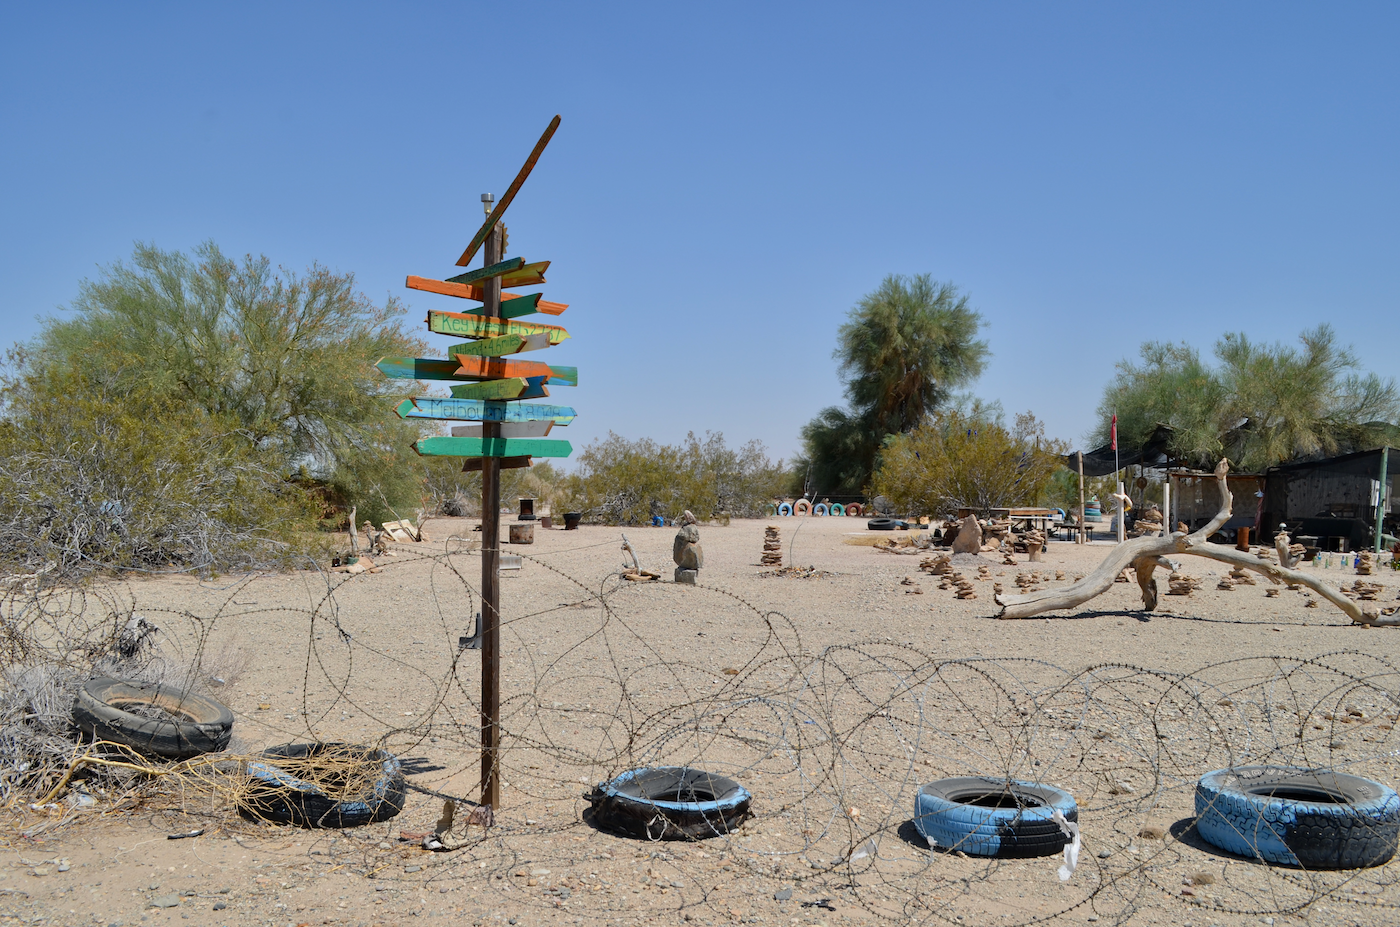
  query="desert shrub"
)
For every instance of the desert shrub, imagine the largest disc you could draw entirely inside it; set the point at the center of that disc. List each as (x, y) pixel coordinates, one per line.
(628, 482)
(954, 461)
(449, 491)
(93, 480)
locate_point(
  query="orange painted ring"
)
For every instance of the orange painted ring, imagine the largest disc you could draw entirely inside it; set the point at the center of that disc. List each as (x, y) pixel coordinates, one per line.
(801, 507)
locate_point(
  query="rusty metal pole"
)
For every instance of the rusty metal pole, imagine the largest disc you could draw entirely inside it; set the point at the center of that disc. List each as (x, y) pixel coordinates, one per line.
(491, 568)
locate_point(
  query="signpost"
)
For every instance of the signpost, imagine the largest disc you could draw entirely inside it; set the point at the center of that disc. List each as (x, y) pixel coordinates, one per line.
(493, 399)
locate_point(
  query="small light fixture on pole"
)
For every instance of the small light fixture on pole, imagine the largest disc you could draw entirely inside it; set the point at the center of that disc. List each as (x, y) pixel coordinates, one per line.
(487, 200)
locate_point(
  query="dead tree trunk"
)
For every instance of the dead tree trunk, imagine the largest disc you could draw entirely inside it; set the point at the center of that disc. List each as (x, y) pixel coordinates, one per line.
(1145, 554)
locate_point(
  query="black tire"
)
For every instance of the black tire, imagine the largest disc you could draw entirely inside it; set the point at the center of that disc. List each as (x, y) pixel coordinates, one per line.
(100, 711)
(670, 803)
(1316, 819)
(880, 524)
(274, 794)
(993, 817)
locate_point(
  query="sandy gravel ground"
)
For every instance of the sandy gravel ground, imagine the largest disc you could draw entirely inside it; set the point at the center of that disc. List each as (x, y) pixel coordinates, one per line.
(832, 697)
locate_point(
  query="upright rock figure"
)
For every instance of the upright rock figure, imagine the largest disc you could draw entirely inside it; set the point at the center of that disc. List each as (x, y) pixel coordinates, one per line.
(686, 551)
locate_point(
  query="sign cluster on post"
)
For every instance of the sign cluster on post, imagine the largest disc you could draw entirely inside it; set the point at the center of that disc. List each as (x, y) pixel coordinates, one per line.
(489, 384)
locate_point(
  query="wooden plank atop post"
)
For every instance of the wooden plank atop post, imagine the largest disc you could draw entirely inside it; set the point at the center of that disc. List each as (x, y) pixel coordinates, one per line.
(475, 410)
(509, 195)
(493, 446)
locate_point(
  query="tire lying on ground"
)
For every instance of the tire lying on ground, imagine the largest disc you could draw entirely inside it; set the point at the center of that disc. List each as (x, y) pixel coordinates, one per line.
(670, 803)
(153, 719)
(1317, 819)
(880, 524)
(993, 817)
(324, 785)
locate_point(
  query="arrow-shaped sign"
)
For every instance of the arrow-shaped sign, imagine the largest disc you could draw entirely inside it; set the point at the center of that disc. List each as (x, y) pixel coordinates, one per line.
(495, 270)
(509, 195)
(509, 388)
(517, 275)
(473, 368)
(513, 305)
(493, 447)
(473, 410)
(503, 344)
(534, 429)
(473, 464)
(479, 326)
(491, 368)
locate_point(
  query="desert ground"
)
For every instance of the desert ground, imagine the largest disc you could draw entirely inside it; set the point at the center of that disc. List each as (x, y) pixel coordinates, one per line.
(832, 693)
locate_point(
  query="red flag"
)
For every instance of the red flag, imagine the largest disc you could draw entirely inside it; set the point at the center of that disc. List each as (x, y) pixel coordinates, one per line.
(1115, 432)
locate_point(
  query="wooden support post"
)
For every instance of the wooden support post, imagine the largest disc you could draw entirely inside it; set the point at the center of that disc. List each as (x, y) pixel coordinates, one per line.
(491, 574)
(1168, 526)
(1381, 496)
(1082, 538)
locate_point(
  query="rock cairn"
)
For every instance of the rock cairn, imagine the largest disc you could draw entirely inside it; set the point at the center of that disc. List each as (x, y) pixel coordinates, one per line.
(1035, 545)
(914, 587)
(965, 587)
(1008, 555)
(984, 572)
(1366, 563)
(1366, 592)
(1225, 584)
(772, 547)
(940, 565)
(686, 551)
(1181, 584)
(1059, 576)
(1242, 577)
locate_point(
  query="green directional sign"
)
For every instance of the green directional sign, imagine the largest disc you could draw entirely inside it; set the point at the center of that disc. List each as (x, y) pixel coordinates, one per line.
(502, 345)
(493, 447)
(479, 326)
(486, 273)
(508, 388)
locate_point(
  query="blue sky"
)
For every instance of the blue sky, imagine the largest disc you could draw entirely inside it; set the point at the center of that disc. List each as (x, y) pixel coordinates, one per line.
(730, 178)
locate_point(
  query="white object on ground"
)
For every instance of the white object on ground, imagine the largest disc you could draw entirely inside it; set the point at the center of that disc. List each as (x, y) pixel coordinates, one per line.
(1071, 830)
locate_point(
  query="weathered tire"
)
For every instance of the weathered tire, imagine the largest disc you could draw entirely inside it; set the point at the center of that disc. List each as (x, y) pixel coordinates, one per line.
(993, 817)
(801, 507)
(854, 510)
(274, 794)
(821, 509)
(770, 510)
(99, 710)
(785, 509)
(1317, 819)
(670, 803)
(881, 524)
(838, 509)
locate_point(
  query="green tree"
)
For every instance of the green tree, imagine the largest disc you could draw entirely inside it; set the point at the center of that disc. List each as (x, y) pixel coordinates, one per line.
(287, 358)
(1260, 405)
(954, 461)
(903, 350)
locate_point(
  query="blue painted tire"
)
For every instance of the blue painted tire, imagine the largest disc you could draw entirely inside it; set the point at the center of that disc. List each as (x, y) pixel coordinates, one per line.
(821, 509)
(838, 509)
(770, 510)
(292, 796)
(993, 817)
(670, 803)
(1316, 819)
(785, 509)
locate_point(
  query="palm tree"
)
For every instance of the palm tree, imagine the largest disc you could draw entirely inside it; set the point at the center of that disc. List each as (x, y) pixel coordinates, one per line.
(904, 349)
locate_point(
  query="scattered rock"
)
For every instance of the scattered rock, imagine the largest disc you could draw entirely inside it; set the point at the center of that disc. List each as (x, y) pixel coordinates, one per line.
(1152, 831)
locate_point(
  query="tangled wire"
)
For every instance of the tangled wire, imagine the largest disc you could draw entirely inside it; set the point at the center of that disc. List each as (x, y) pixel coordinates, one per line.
(833, 742)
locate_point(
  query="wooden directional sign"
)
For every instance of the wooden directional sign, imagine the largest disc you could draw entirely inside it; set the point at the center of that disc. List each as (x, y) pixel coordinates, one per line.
(486, 273)
(535, 429)
(514, 275)
(509, 388)
(473, 464)
(513, 305)
(419, 368)
(493, 447)
(479, 326)
(509, 195)
(490, 368)
(501, 345)
(474, 410)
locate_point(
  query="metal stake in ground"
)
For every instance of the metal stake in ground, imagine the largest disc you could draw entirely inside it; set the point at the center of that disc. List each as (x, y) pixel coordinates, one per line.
(490, 565)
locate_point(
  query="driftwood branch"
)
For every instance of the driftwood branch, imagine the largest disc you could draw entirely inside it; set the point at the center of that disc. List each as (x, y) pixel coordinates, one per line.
(1145, 554)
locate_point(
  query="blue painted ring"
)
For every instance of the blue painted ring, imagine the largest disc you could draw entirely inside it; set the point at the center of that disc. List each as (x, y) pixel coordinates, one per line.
(785, 509)
(993, 817)
(670, 803)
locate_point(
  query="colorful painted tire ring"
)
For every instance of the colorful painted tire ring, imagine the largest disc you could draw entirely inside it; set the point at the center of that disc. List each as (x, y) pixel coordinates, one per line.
(801, 507)
(821, 509)
(770, 510)
(993, 817)
(785, 509)
(838, 509)
(670, 803)
(854, 510)
(1317, 819)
